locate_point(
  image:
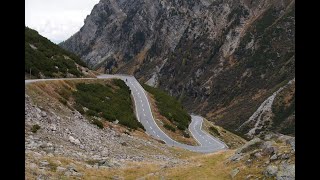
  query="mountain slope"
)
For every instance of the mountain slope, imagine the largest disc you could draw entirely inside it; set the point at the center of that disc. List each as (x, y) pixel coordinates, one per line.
(222, 59)
(62, 143)
(45, 59)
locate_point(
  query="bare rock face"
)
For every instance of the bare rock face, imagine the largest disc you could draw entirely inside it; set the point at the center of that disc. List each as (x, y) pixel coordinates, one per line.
(224, 55)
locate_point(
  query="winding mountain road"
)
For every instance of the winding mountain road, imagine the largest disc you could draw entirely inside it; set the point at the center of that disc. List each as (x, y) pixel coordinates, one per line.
(144, 115)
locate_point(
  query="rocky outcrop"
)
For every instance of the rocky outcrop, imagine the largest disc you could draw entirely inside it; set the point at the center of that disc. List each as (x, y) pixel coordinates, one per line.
(273, 154)
(225, 56)
(262, 118)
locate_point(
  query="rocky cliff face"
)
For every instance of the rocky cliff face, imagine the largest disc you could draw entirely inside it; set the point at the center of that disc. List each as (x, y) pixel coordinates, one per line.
(221, 58)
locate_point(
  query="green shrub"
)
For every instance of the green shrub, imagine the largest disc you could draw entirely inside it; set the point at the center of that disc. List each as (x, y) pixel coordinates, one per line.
(91, 113)
(35, 128)
(214, 130)
(63, 101)
(47, 56)
(98, 123)
(185, 134)
(79, 108)
(170, 107)
(108, 103)
(169, 127)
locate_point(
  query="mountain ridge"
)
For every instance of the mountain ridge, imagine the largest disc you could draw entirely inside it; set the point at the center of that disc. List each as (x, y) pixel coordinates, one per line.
(215, 56)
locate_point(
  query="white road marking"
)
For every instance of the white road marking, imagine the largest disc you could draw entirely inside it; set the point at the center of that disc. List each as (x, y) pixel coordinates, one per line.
(158, 135)
(150, 127)
(142, 109)
(154, 132)
(144, 115)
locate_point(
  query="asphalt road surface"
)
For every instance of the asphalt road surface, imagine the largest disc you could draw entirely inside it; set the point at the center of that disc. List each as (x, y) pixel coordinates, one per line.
(144, 115)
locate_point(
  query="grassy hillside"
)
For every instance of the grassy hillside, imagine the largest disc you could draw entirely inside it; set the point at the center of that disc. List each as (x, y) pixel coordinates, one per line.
(48, 59)
(170, 108)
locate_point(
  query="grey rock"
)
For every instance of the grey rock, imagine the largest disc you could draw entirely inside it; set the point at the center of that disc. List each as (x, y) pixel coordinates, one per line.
(269, 136)
(68, 173)
(58, 162)
(273, 157)
(258, 155)
(117, 178)
(286, 172)
(53, 127)
(73, 140)
(60, 169)
(292, 143)
(96, 166)
(249, 145)
(44, 163)
(43, 114)
(285, 156)
(234, 172)
(108, 163)
(271, 171)
(269, 148)
(33, 166)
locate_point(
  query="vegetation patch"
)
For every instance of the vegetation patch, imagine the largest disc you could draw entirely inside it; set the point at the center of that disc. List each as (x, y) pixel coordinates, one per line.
(170, 108)
(46, 58)
(169, 127)
(35, 128)
(107, 102)
(214, 131)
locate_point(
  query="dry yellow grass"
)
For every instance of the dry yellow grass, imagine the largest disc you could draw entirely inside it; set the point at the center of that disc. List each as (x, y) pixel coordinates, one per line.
(200, 166)
(232, 140)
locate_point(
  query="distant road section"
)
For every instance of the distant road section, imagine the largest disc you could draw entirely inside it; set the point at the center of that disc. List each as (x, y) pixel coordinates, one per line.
(144, 115)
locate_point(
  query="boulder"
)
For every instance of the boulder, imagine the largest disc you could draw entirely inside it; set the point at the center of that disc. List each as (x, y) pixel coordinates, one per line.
(285, 156)
(234, 172)
(258, 155)
(249, 145)
(60, 169)
(53, 127)
(44, 163)
(74, 141)
(274, 157)
(292, 143)
(271, 171)
(43, 114)
(268, 148)
(33, 166)
(286, 172)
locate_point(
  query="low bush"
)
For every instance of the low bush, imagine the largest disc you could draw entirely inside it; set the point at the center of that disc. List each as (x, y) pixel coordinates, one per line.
(185, 134)
(35, 128)
(110, 103)
(214, 130)
(169, 127)
(98, 123)
(170, 107)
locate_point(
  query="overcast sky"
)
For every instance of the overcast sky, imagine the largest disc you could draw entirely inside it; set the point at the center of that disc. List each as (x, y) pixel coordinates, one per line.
(57, 20)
